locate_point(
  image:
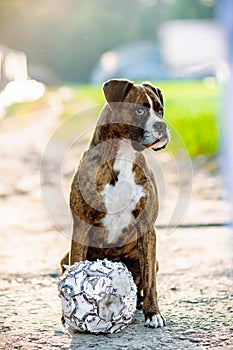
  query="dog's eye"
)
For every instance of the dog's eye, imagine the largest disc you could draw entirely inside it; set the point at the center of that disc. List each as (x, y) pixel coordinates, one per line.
(140, 111)
(160, 111)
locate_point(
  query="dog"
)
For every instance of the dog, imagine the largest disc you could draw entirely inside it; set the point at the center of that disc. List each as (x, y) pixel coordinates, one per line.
(113, 199)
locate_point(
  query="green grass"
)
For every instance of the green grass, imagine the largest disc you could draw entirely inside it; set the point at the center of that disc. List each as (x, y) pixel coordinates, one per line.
(190, 111)
(23, 108)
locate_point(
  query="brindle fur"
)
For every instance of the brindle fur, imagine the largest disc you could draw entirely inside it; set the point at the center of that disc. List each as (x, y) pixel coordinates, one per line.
(136, 246)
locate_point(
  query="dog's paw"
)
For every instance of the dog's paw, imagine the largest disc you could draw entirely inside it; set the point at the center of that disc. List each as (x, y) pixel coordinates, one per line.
(155, 321)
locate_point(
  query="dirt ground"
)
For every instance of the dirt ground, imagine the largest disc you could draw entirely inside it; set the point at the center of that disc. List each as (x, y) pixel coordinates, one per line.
(194, 280)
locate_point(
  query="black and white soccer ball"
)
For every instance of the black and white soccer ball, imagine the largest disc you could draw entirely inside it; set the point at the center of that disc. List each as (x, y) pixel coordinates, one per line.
(97, 296)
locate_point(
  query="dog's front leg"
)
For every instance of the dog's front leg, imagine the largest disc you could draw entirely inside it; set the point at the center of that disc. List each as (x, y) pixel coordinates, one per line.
(147, 250)
(79, 243)
(78, 252)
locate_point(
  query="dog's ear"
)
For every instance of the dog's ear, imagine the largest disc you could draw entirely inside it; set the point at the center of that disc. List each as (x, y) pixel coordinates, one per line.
(115, 90)
(156, 90)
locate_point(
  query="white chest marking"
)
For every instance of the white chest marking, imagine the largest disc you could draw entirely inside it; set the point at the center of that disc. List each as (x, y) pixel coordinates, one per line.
(120, 199)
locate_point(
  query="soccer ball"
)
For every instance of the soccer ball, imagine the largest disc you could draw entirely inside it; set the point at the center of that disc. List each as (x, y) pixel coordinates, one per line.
(97, 296)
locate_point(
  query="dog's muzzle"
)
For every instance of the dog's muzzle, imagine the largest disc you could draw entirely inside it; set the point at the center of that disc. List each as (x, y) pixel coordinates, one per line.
(158, 138)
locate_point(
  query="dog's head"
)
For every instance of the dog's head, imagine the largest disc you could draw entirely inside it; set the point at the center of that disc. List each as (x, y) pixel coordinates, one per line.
(137, 113)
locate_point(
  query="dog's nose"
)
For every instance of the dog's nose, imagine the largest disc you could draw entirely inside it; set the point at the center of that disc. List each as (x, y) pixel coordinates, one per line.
(160, 126)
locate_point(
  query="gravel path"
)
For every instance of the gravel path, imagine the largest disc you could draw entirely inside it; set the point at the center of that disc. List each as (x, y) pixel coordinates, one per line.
(194, 291)
(194, 280)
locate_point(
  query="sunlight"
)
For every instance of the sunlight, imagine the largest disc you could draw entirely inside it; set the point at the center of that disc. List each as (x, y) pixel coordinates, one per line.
(20, 91)
(109, 61)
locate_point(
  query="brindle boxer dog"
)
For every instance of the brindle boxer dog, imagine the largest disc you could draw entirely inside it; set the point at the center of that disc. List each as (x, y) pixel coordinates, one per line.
(113, 198)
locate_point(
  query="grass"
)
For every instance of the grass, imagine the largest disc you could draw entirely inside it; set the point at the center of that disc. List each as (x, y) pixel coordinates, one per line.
(23, 108)
(190, 111)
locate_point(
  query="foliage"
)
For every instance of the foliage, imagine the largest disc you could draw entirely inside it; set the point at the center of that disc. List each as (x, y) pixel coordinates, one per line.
(191, 108)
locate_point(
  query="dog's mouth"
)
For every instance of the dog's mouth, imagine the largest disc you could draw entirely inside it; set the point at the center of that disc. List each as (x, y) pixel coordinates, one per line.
(157, 145)
(155, 141)
(143, 139)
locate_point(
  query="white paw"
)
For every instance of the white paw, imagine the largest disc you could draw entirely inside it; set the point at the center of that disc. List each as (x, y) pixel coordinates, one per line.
(155, 322)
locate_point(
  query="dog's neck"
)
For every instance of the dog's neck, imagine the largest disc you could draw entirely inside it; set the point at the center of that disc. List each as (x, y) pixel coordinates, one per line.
(103, 130)
(106, 137)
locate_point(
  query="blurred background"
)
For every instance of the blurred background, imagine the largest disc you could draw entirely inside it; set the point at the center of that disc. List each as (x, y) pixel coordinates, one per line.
(177, 44)
(81, 41)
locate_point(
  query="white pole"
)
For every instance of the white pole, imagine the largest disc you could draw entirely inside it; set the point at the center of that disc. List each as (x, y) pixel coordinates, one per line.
(225, 16)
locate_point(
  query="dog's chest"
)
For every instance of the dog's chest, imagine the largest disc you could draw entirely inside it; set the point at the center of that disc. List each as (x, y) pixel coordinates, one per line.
(121, 198)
